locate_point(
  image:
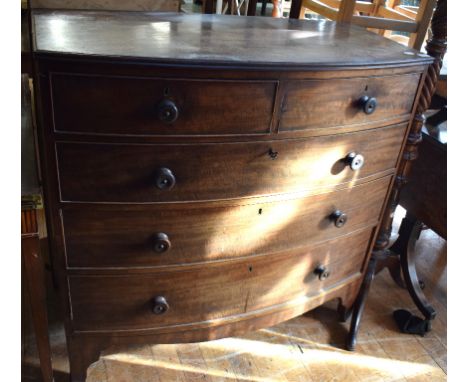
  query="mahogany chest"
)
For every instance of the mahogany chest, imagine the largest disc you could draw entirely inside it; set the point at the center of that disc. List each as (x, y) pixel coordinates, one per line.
(207, 175)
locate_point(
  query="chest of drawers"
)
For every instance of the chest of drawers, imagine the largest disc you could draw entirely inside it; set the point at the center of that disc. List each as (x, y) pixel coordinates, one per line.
(209, 175)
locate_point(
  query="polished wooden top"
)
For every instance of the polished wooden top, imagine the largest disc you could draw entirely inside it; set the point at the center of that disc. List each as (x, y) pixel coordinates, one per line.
(215, 40)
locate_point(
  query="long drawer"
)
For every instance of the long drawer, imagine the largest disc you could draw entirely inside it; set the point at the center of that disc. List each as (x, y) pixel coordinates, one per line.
(221, 290)
(148, 106)
(118, 236)
(325, 103)
(188, 172)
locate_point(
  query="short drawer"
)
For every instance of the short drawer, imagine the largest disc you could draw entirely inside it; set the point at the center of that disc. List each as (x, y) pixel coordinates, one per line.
(171, 173)
(112, 236)
(326, 103)
(148, 106)
(222, 290)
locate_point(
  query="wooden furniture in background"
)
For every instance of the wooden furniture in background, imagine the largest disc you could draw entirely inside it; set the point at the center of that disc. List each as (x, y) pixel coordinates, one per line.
(425, 195)
(229, 190)
(115, 5)
(278, 7)
(382, 15)
(436, 47)
(234, 7)
(425, 201)
(33, 296)
(33, 272)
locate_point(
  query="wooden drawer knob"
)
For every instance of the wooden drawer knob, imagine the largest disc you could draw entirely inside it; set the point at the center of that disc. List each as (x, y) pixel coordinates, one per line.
(322, 272)
(161, 242)
(160, 305)
(167, 111)
(165, 179)
(368, 104)
(339, 218)
(355, 160)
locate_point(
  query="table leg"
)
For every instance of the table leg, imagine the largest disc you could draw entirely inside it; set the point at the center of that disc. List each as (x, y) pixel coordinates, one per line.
(252, 8)
(208, 6)
(295, 11)
(277, 8)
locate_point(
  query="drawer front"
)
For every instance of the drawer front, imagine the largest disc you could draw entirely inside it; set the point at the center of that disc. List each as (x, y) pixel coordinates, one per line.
(203, 293)
(133, 106)
(327, 103)
(166, 173)
(171, 235)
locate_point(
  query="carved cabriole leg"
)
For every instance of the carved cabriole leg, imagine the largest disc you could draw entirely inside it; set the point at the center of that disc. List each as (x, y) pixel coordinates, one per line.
(392, 263)
(436, 47)
(408, 235)
(82, 352)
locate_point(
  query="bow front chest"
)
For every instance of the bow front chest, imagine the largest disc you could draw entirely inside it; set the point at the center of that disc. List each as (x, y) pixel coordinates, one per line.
(207, 175)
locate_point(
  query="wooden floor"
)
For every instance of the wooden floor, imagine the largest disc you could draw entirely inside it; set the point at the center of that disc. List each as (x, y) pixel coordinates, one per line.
(307, 348)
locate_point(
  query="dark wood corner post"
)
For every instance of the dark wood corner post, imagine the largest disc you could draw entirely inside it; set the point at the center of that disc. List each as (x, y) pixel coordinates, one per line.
(436, 47)
(33, 267)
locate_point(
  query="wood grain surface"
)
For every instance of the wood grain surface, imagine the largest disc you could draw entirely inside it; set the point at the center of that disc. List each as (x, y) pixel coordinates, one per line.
(205, 293)
(128, 173)
(308, 348)
(104, 166)
(129, 106)
(216, 39)
(125, 237)
(312, 104)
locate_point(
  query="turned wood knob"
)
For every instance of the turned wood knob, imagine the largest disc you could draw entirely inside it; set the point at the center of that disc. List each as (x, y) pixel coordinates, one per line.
(167, 111)
(160, 305)
(355, 160)
(161, 242)
(339, 218)
(368, 104)
(165, 179)
(322, 272)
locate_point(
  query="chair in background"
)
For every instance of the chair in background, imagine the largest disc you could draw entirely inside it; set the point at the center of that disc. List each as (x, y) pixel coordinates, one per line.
(381, 15)
(110, 5)
(242, 7)
(230, 7)
(278, 7)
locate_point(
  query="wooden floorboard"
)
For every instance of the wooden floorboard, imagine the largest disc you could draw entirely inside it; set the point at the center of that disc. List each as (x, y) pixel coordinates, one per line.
(305, 349)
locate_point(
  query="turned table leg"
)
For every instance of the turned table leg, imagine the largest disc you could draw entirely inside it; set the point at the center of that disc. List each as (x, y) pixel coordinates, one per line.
(277, 8)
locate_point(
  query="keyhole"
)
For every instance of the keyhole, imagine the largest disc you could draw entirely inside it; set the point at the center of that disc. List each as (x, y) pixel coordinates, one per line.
(250, 268)
(166, 91)
(260, 211)
(273, 154)
(367, 87)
